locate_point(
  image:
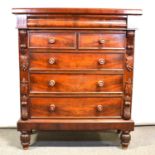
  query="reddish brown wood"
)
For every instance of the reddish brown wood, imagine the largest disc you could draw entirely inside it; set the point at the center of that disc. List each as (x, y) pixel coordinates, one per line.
(25, 139)
(77, 21)
(92, 11)
(128, 76)
(101, 40)
(75, 108)
(125, 139)
(52, 40)
(75, 83)
(67, 61)
(76, 70)
(94, 124)
(24, 65)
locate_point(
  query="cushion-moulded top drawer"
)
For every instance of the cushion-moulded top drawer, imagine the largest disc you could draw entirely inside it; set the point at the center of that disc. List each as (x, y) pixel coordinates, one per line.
(77, 21)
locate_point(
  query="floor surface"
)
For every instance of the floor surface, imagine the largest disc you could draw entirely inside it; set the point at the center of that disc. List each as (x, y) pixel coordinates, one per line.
(79, 143)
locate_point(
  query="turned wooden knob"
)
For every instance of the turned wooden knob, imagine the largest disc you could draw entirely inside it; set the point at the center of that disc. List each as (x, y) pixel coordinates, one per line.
(101, 61)
(51, 61)
(51, 40)
(52, 108)
(51, 83)
(100, 83)
(99, 108)
(101, 41)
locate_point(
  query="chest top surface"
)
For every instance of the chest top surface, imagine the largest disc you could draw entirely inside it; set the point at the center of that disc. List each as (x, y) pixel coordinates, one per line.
(73, 17)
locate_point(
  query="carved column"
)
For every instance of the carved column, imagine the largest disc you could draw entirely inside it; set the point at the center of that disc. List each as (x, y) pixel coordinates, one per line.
(23, 56)
(129, 60)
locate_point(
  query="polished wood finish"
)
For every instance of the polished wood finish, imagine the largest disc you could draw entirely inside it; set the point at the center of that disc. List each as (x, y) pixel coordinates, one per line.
(75, 83)
(82, 11)
(101, 40)
(94, 124)
(76, 70)
(76, 108)
(52, 40)
(25, 139)
(125, 139)
(78, 21)
(67, 61)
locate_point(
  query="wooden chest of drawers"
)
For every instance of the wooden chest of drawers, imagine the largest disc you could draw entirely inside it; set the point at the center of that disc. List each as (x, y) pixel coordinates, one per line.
(76, 70)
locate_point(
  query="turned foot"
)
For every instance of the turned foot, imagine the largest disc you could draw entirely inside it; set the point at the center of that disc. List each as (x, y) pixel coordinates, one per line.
(25, 139)
(125, 139)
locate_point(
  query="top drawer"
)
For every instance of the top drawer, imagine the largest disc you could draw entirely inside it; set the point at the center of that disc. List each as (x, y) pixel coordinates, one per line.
(53, 40)
(77, 21)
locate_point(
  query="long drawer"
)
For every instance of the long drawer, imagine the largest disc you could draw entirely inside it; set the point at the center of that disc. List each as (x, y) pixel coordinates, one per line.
(82, 21)
(75, 107)
(75, 83)
(75, 60)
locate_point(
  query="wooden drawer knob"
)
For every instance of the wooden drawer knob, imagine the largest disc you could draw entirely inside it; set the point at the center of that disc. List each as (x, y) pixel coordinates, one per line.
(99, 108)
(52, 108)
(100, 83)
(51, 40)
(101, 41)
(51, 83)
(101, 61)
(51, 61)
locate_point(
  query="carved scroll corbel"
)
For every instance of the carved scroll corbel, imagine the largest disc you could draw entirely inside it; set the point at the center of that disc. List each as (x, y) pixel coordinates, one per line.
(128, 87)
(129, 63)
(24, 63)
(24, 86)
(127, 108)
(24, 108)
(24, 66)
(127, 99)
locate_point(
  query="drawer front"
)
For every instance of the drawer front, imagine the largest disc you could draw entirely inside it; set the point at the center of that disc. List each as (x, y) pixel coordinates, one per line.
(101, 41)
(78, 21)
(75, 107)
(75, 83)
(68, 61)
(54, 40)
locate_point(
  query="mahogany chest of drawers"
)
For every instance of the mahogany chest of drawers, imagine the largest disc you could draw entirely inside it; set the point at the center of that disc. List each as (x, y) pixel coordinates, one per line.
(76, 70)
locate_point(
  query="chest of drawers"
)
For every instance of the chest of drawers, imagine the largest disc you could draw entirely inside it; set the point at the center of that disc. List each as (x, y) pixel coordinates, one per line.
(76, 70)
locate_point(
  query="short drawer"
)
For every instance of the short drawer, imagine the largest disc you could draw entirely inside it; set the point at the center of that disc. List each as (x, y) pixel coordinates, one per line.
(102, 40)
(54, 40)
(75, 83)
(69, 61)
(75, 107)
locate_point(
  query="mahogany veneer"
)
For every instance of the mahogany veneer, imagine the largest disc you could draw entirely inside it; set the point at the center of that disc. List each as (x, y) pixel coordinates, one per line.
(76, 70)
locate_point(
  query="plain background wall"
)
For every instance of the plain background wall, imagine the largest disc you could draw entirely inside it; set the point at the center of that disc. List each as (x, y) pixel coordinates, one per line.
(144, 77)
